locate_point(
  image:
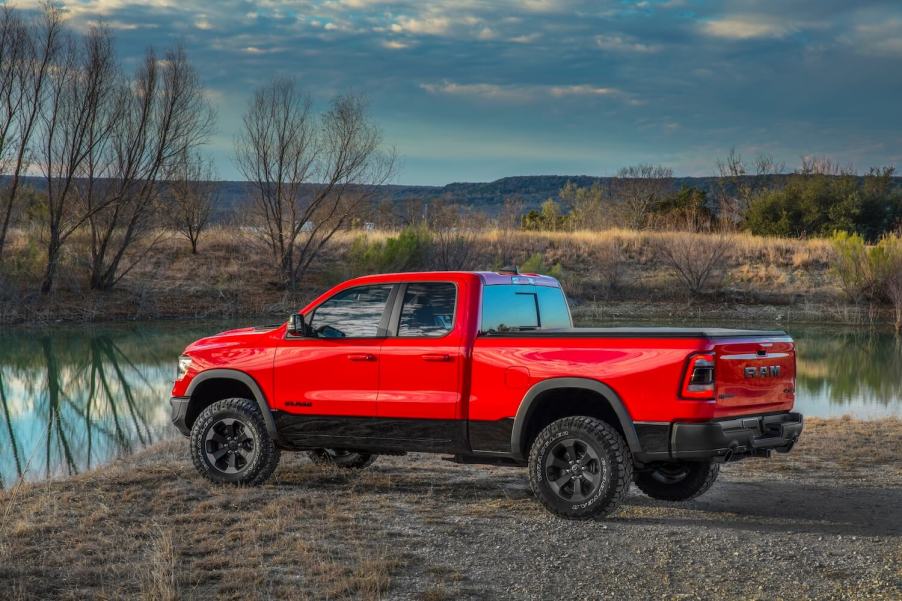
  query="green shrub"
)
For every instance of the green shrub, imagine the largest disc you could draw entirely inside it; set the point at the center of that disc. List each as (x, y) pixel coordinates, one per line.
(407, 251)
(863, 271)
(536, 264)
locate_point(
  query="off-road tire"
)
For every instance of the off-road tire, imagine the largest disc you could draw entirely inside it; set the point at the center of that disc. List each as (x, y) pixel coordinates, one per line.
(342, 458)
(665, 483)
(261, 462)
(604, 479)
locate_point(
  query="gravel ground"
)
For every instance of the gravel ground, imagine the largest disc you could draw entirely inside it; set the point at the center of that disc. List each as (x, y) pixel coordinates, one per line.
(823, 522)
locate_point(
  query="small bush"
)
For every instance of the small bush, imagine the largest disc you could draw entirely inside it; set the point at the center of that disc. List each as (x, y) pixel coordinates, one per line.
(890, 254)
(857, 267)
(407, 251)
(536, 264)
(697, 260)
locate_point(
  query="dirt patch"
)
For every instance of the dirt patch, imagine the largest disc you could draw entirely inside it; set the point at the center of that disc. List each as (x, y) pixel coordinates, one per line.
(821, 522)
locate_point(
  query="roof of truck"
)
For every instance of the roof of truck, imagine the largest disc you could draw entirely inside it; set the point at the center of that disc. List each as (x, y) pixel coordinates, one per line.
(488, 278)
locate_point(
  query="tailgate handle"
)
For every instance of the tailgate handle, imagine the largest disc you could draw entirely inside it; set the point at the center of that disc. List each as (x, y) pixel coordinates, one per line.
(361, 357)
(436, 357)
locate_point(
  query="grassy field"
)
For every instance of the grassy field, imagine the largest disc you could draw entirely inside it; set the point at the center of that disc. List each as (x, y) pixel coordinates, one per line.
(821, 521)
(607, 274)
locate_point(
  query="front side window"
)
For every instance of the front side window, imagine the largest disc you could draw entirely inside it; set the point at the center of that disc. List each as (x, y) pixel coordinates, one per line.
(427, 310)
(514, 308)
(352, 313)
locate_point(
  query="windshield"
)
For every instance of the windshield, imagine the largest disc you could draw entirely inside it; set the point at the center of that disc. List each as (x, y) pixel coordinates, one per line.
(507, 308)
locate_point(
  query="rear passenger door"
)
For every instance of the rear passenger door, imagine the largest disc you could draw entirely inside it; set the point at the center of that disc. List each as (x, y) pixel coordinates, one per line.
(422, 360)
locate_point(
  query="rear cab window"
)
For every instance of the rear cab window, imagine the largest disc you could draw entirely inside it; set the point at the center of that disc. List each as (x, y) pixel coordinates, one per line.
(427, 310)
(523, 307)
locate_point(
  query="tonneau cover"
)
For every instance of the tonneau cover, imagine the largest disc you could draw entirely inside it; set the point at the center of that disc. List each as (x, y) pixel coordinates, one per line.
(640, 332)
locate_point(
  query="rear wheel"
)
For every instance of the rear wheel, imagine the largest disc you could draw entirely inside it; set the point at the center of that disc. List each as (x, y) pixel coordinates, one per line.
(677, 481)
(342, 458)
(580, 468)
(230, 443)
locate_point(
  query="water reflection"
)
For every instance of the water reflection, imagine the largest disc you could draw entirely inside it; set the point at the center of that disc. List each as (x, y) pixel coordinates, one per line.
(73, 398)
(851, 370)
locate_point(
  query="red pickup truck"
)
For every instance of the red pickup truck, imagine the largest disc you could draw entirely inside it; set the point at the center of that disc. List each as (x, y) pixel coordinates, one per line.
(488, 368)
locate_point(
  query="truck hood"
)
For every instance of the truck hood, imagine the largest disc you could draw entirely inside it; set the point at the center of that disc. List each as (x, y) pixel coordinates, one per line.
(234, 337)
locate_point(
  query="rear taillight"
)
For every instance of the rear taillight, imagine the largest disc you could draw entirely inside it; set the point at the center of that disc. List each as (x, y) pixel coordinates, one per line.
(698, 381)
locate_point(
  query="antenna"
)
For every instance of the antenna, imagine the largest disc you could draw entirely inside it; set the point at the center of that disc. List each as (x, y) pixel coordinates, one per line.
(511, 269)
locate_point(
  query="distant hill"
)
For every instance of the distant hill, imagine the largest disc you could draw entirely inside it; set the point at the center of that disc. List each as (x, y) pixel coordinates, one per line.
(531, 190)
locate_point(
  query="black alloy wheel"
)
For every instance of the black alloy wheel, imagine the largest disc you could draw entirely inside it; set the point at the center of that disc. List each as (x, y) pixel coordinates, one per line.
(229, 446)
(573, 469)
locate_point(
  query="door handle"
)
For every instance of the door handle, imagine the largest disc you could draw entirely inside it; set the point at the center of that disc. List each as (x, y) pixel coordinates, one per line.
(361, 357)
(436, 357)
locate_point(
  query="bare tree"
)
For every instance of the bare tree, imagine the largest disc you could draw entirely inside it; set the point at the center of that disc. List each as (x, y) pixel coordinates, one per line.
(26, 55)
(638, 188)
(309, 174)
(696, 259)
(161, 116)
(192, 194)
(75, 120)
(736, 188)
(454, 232)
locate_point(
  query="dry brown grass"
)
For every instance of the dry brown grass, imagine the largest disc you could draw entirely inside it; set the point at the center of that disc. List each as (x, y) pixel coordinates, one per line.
(149, 527)
(861, 451)
(233, 274)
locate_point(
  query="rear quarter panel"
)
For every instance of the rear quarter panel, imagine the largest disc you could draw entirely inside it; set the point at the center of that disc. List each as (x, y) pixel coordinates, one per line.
(646, 373)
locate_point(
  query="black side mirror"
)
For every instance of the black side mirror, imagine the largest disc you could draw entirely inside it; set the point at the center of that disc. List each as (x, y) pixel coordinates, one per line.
(296, 325)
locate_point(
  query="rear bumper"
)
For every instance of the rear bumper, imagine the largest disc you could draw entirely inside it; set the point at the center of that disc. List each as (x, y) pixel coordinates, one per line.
(722, 440)
(179, 411)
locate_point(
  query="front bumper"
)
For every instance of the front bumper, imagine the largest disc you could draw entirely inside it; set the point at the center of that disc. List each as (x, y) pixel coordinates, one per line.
(719, 440)
(755, 435)
(179, 411)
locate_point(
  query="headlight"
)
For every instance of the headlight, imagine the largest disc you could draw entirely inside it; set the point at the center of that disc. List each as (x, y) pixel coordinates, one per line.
(184, 364)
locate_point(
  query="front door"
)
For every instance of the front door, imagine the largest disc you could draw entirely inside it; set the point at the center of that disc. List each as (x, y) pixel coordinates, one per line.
(335, 373)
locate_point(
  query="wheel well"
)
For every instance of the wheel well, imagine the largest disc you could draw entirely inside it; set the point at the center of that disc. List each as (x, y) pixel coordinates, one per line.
(557, 403)
(212, 390)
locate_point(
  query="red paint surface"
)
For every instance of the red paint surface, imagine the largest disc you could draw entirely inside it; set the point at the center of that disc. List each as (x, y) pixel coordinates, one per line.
(462, 376)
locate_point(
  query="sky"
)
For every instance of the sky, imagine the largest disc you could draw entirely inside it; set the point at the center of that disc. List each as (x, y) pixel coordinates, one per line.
(475, 90)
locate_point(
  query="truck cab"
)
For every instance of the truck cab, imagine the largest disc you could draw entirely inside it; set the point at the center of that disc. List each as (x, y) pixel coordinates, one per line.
(487, 368)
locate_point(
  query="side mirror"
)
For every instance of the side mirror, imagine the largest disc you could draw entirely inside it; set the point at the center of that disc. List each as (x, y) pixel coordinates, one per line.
(296, 325)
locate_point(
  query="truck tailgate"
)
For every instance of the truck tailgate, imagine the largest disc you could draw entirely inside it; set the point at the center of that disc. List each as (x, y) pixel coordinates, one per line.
(755, 374)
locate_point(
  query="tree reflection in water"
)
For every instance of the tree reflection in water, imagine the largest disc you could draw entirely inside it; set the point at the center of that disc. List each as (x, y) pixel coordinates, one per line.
(78, 398)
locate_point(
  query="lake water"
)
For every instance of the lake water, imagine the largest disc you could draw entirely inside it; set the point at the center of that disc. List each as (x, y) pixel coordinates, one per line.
(77, 397)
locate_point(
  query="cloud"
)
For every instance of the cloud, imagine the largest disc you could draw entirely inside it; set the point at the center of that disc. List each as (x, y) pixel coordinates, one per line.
(487, 33)
(877, 39)
(619, 43)
(395, 44)
(582, 90)
(482, 90)
(519, 93)
(427, 25)
(527, 38)
(745, 28)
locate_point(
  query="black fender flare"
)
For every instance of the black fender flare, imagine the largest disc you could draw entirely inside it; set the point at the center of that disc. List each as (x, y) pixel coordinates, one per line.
(532, 395)
(247, 380)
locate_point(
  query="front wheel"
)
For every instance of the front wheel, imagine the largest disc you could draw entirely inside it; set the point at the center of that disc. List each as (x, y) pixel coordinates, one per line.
(230, 443)
(342, 458)
(677, 481)
(580, 468)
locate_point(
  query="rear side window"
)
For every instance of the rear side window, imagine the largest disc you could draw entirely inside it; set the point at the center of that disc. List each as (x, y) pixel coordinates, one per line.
(352, 313)
(427, 309)
(523, 307)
